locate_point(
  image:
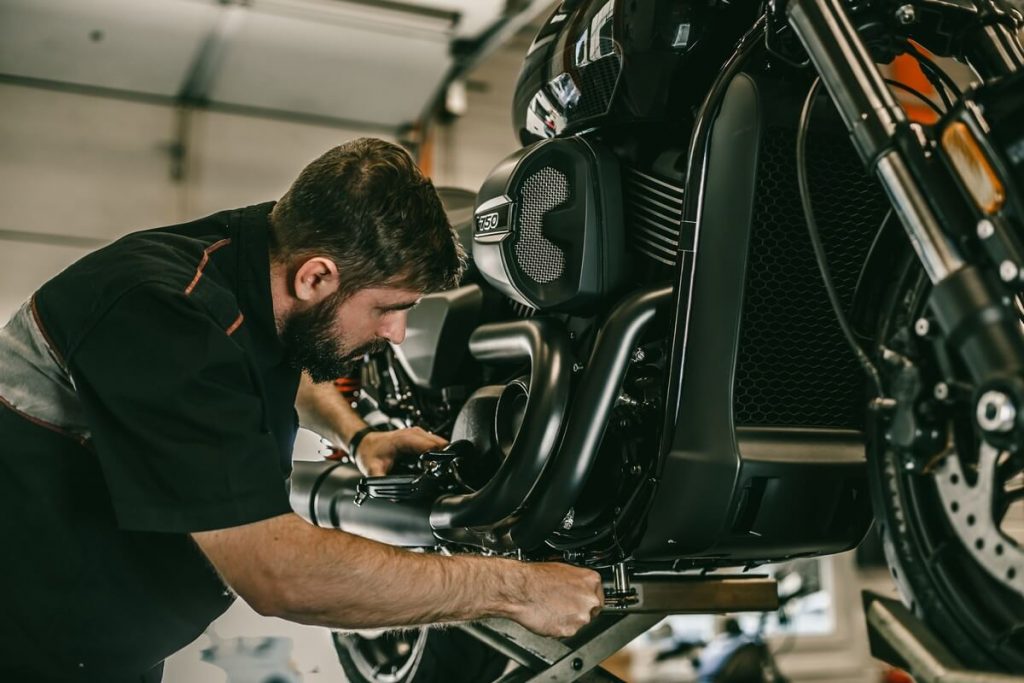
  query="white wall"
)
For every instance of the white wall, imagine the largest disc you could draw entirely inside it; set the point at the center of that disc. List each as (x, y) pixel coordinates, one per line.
(467, 148)
(94, 168)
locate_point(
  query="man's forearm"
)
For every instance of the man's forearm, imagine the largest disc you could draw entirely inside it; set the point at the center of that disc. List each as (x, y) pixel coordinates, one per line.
(324, 410)
(315, 576)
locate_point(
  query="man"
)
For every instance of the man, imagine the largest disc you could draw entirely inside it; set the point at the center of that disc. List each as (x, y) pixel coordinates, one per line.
(147, 416)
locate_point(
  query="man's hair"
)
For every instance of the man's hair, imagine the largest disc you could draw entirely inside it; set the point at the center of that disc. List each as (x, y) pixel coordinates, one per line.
(366, 206)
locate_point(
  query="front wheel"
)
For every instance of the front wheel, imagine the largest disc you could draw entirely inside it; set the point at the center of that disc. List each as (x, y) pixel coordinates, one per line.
(419, 655)
(951, 513)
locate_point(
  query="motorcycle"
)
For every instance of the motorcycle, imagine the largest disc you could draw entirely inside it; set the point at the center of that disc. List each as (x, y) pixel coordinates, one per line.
(718, 316)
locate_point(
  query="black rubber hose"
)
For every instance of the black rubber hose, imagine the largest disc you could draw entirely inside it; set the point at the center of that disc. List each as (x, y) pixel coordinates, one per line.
(819, 249)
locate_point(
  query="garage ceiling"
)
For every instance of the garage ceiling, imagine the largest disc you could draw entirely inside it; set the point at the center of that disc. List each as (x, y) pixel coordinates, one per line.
(376, 65)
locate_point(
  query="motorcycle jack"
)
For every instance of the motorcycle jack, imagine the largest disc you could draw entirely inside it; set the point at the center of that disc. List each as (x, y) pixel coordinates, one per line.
(631, 608)
(900, 639)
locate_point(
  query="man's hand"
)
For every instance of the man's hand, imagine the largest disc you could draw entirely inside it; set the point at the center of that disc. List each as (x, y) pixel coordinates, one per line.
(378, 450)
(558, 599)
(322, 409)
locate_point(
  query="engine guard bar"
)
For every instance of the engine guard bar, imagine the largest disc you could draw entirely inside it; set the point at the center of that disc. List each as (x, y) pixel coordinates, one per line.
(545, 344)
(566, 475)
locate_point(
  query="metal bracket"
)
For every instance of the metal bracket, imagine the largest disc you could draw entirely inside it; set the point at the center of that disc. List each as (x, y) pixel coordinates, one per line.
(899, 638)
(578, 658)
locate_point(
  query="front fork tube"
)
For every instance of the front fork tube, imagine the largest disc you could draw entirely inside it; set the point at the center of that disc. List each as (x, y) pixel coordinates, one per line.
(973, 311)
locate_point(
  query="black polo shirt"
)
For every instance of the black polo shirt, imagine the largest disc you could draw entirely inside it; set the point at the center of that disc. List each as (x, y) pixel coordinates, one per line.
(144, 396)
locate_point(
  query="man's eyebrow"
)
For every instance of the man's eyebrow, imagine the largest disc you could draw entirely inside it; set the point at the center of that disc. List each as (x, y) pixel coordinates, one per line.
(404, 306)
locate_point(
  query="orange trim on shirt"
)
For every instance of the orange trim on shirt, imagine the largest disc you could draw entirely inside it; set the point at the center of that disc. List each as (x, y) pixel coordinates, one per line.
(202, 263)
(235, 325)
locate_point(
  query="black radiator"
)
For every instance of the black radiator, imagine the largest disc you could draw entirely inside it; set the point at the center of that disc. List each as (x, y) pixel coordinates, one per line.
(794, 368)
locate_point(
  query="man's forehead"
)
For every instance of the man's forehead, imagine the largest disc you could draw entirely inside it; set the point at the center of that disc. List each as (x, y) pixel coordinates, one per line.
(391, 296)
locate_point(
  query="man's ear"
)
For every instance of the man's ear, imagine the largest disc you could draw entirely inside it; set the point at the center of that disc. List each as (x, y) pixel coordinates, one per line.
(316, 279)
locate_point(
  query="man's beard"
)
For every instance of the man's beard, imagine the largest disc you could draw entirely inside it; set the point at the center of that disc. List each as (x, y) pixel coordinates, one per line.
(312, 346)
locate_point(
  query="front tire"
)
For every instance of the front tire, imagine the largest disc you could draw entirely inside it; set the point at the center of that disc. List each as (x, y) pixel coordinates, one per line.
(423, 655)
(980, 619)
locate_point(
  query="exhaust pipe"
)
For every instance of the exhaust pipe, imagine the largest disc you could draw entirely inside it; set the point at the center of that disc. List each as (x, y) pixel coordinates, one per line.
(548, 472)
(545, 345)
(565, 477)
(322, 493)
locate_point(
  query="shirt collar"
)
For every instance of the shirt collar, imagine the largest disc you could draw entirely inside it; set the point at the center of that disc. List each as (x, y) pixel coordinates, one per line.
(253, 230)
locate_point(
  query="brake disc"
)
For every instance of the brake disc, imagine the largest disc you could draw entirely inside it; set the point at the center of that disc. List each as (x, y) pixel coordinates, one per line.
(970, 509)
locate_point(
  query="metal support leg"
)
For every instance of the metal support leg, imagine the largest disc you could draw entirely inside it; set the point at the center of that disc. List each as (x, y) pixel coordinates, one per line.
(899, 638)
(611, 633)
(578, 658)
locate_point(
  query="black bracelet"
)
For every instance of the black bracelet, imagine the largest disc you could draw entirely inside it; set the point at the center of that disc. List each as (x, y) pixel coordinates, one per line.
(356, 439)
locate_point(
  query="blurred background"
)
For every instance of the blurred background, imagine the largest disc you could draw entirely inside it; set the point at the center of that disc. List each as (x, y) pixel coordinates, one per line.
(118, 115)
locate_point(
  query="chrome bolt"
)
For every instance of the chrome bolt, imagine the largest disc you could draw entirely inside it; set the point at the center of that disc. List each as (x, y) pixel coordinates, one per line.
(941, 391)
(1008, 271)
(985, 229)
(883, 403)
(996, 412)
(625, 399)
(906, 14)
(569, 519)
(621, 577)
(638, 355)
(922, 327)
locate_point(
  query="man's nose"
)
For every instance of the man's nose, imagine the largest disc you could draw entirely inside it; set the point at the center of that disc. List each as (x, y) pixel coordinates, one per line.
(394, 329)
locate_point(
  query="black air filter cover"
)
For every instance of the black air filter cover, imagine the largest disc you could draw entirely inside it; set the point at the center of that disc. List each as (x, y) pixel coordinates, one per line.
(548, 225)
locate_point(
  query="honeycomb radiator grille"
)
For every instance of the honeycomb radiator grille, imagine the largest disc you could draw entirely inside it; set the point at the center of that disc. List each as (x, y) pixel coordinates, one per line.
(794, 367)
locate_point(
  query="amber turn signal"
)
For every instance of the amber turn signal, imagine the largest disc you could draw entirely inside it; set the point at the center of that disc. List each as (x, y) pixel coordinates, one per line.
(974, 169)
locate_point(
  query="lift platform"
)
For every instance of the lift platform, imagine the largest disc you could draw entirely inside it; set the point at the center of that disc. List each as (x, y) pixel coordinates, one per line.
(631, 608)
(900, 639)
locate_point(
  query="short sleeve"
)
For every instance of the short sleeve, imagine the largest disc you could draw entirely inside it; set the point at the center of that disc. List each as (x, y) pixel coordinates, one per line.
(177, 417)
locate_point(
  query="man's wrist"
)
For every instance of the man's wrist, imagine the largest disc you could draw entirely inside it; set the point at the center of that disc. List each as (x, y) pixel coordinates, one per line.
(510, 586)
(356, 439)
